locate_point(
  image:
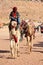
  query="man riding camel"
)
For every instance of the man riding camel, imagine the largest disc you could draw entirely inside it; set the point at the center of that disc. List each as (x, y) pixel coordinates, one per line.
(14, 16)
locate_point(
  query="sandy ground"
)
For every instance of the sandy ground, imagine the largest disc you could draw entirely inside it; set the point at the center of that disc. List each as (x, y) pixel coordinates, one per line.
(35, 58)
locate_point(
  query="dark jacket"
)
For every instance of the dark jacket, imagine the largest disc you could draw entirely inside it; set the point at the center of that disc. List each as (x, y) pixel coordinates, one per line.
(14, 17)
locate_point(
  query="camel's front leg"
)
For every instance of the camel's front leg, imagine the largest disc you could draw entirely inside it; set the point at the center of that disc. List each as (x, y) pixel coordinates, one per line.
(31, 41)
(28, 43)
(12, 47)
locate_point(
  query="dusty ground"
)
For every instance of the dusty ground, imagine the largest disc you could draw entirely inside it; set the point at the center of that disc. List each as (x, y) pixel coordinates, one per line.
(35, 58)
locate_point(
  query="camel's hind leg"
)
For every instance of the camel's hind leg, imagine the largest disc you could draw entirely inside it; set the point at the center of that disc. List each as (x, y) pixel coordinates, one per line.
(18, 51)
(30, 43)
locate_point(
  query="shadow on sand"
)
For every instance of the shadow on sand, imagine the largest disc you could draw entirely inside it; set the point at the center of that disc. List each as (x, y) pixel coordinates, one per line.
(39, 45)
(37, 51)
(4, 51)
(3, 55)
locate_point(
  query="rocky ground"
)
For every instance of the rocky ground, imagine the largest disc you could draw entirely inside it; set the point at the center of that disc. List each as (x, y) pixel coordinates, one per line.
(27, 9)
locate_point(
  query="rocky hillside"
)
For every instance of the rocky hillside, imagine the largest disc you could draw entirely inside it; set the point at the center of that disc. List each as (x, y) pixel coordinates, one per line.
(27, 9)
